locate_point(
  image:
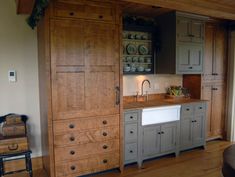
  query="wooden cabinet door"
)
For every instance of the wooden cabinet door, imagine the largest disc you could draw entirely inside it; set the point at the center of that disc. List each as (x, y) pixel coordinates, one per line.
(220, 62)
(85, 69)
(206, 94)
(151, 140)
(183, 29)
(185, 132)
(198, 129)
(168, 137)
(217, 114)
(197, 31)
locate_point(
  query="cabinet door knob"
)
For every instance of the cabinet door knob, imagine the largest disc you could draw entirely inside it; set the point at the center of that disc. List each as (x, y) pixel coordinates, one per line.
(131, 132)
(73, 168)
(190, 67)
(71, 13)
(101, 16)
(72, 138)
(105, 161)
(131, 151)
(187, 109)
(105, 134)
(105, 122)
(162, 132)
(71, 126)
(72, 152)
(200, 107)
(105, 147)
(159, 133)
(131, 117)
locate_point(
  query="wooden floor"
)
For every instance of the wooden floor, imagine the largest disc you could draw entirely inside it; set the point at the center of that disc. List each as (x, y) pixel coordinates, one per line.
(195, 163)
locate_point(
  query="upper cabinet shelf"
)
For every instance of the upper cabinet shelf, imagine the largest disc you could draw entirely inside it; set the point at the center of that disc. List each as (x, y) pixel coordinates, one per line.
(138, 51)
(181, 39)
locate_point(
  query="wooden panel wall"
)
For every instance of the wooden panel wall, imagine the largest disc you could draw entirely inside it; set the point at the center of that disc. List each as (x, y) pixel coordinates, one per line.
(24, 6)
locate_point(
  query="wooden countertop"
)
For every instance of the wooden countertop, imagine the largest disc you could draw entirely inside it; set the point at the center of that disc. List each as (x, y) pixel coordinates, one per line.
(158, 103)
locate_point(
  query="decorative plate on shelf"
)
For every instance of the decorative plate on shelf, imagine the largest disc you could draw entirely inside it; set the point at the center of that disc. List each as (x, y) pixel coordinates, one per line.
(131, 49)
(143, 50)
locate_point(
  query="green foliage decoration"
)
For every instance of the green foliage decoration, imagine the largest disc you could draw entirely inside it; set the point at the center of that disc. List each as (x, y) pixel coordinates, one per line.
(37, 12)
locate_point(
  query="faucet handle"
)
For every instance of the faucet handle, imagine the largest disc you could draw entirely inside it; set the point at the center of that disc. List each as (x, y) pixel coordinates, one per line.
(137, 96)
(146, 96)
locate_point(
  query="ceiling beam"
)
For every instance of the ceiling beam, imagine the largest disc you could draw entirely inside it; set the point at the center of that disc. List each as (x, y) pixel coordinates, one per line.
(212, 8)
(24, 6)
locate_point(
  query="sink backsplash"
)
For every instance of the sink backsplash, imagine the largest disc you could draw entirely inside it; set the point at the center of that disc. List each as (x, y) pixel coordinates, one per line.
(159, 83)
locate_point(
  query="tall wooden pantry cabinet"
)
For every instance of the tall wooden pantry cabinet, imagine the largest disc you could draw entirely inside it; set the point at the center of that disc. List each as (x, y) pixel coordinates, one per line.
(79, 70)
(211, 85)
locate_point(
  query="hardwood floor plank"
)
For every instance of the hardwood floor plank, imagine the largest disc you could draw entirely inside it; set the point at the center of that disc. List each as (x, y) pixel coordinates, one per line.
(194, 163)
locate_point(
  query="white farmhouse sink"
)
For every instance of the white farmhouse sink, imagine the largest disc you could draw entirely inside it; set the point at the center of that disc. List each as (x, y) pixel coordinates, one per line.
(160, 114)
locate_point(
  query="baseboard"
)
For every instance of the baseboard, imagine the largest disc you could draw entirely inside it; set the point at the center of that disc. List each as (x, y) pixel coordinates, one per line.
(20, 164)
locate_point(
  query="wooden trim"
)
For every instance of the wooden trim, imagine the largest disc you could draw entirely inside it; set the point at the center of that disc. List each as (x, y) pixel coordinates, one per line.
(224, 10)
(20, 164)
(24, 6)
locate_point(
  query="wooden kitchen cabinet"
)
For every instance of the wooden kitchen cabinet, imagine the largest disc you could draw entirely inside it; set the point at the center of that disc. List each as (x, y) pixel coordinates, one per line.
(215, 62)
(79, 73)
(181, 39)
(215, 93)
(192, 125)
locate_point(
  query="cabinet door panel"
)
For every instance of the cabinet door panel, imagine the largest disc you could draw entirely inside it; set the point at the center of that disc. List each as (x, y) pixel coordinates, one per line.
(197, 31)
(183, 56)
(196, 53)
(183, 29)
(151, 140)
(85, 69)
(198, 129)
(206, 94)
(168, 137)
(217, 116)
(185, 132)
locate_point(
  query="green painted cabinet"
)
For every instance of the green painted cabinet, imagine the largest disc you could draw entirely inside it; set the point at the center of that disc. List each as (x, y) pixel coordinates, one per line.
(181, 41)
(192, 125)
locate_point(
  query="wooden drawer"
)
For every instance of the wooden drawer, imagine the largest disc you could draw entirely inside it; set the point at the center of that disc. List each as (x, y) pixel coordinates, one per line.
(86, 10)
(85, 150)
(85, 123)
(131, 116)
(90, 136)
(200, 108)
(187, 110)
(94, 164)
(131, 132)
(12, 145)
(13, 130)
(131, 152)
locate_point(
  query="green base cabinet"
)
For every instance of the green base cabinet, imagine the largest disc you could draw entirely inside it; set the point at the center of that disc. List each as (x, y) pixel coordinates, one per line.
(192, 125)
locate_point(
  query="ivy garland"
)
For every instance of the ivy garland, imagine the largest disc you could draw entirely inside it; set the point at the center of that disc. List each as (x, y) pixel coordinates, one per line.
(37, 12)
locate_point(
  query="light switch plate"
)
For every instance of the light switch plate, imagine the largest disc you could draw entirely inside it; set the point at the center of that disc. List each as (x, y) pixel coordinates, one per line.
(12, 76)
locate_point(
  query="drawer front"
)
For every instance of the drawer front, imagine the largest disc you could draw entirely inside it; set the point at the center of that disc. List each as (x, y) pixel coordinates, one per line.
(97, 163)
(85, 150)
(186, 110)
(82, 124)
(131, 117)
(88, 10)
(90, 136)
(13, 145)
(200, 108)
(131, 152)
(131, 132)
(13, 130)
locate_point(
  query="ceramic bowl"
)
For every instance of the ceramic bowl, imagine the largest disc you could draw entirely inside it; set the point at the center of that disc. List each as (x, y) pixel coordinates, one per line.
(126, 68)
(140, 68)
(141, 59)
(147, 69)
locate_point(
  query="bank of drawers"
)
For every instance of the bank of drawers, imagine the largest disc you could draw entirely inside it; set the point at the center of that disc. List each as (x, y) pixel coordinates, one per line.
(131, 119)
(86, 145)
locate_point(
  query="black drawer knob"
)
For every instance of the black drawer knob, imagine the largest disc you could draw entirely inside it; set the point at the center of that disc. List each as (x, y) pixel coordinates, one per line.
(72, 138)
(105, 122)
(105, 161)
(200, 107)
(72, 152)
(105, 146)
(71, 126)
(131, 117)
(131, 132)
(101, 17)
(71, 13)
(73, 168)
(187, 109)
(162, 132)
(159, 133)
(190, 67)
(131, 151)
(105, 134)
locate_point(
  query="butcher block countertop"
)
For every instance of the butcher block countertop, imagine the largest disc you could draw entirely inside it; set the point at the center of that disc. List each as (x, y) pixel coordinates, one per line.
(157, 102)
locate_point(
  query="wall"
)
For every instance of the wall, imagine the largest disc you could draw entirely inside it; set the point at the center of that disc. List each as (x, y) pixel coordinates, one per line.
(159, 83)
(18, 50)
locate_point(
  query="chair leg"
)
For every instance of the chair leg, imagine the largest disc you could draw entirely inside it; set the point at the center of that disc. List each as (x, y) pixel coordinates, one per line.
(29, 164)
(1, 167)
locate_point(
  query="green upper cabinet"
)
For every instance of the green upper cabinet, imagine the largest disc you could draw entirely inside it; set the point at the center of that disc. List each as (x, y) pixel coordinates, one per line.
(181, 38)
